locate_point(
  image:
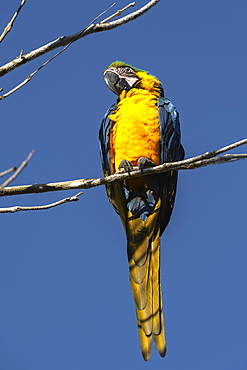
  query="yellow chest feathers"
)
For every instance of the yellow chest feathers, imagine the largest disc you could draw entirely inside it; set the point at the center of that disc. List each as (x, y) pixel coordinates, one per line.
(136, 129)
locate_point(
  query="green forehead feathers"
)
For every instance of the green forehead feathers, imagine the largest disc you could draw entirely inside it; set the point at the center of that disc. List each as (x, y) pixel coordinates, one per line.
(122, 64)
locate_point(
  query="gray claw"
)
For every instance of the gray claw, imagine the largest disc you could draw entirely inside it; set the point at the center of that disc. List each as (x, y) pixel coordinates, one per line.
(144, 162)
(126, 165)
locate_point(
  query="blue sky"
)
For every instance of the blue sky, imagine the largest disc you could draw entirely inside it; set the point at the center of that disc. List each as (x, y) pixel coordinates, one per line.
(65, 296)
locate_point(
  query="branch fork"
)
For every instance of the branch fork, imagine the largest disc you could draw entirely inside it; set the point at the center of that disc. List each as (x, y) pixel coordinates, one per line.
(66, 41)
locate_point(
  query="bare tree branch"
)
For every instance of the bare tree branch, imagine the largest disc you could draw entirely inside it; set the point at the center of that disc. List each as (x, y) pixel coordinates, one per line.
(18, 171)
(203, 160)
(14, 209)
(65, 40)
(24, 82)
(6, 172)
(119, 12)
(11, 22)
(214, 153)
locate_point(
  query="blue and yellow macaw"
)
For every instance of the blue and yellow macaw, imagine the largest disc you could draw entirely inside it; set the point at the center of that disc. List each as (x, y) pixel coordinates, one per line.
(142, 129)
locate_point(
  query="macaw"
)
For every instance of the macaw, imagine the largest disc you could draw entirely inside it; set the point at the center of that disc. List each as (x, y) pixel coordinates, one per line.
(141, 130)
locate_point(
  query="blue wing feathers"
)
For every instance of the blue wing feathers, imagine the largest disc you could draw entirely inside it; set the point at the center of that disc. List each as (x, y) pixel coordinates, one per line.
(171, 151)
(104, 137)
(169, 131)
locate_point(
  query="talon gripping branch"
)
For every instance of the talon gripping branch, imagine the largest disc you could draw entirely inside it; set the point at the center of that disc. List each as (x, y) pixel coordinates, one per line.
(142, 129)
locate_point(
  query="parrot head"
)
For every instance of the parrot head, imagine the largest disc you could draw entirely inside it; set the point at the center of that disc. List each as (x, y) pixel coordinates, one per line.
(120, 76)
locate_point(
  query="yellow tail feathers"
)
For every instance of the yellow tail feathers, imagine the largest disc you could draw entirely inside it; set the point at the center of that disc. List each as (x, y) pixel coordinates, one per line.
(146, 289)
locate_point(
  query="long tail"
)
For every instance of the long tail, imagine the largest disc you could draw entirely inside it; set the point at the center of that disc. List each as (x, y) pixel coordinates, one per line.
(144, 261)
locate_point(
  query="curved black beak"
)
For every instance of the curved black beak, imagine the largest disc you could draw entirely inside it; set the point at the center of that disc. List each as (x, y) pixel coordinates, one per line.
(117, 83)
(111, 79)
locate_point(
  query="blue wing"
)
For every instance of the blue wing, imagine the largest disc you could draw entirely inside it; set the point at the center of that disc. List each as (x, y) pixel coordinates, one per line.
(171, 151)
(104, 138)
(115, 192)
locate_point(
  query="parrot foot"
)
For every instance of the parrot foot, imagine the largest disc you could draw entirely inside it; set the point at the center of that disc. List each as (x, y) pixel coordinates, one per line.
(144, 162)
(126, 166)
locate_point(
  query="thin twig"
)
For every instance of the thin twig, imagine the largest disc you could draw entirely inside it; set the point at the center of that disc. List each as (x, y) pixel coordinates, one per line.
(65, 40)
(11, 23)
(28, 79)
(14, 209)
(187, 164)
(119, 12)
(18, 171)
(6, 172)
(100, 15)
(214, 153)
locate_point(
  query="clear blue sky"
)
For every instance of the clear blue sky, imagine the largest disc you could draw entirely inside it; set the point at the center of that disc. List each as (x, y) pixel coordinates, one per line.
(65, 300)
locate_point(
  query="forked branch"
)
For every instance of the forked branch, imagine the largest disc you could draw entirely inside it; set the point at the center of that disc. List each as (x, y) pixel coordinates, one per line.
(65, 40)
(17, 171)
(6, 172)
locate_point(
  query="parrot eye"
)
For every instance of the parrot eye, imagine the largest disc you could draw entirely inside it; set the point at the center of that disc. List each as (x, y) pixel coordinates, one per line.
(126, 71)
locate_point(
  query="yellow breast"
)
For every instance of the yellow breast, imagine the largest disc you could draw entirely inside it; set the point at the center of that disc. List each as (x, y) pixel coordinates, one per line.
(136, 130)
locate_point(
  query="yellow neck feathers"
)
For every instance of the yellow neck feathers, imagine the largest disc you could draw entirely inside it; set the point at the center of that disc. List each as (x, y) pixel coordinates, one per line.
(136, 130)
(149, 83)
